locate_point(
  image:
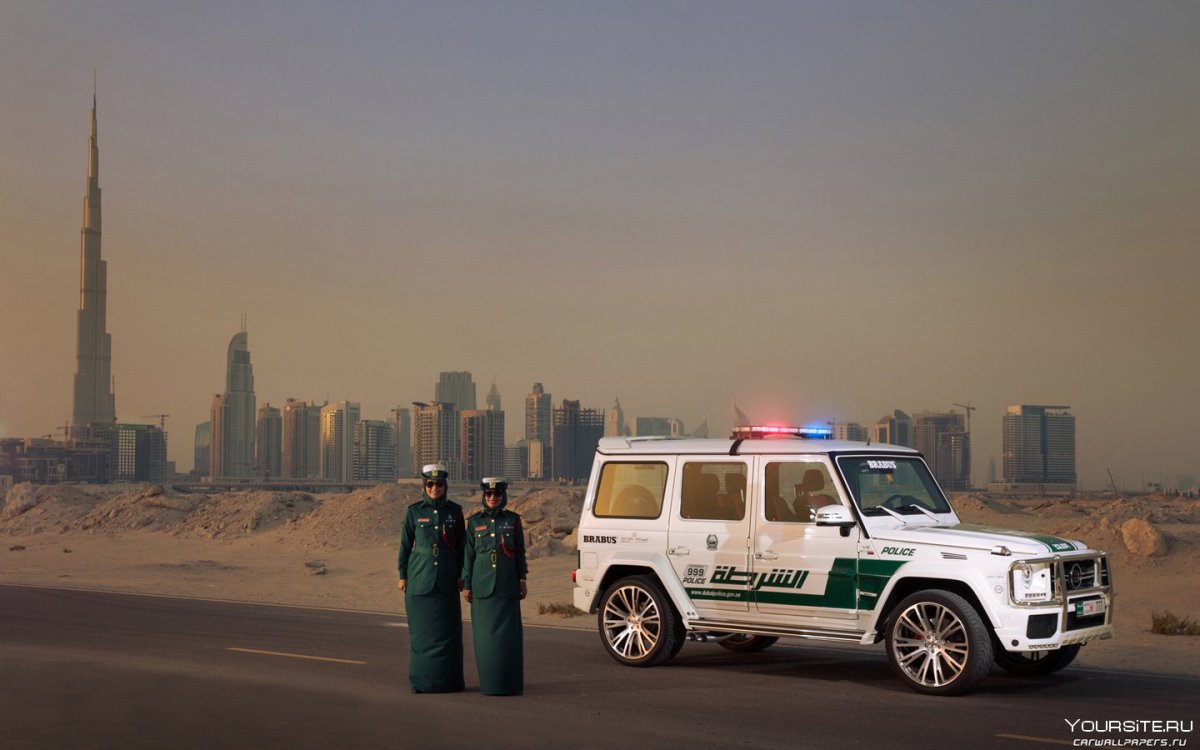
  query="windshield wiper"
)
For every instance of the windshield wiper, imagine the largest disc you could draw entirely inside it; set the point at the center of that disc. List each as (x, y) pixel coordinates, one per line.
(892, 513)
(924, 510)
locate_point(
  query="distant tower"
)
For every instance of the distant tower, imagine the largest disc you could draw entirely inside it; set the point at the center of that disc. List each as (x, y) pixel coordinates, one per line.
(94, 400)
(456, 388)
(481, 441)
(576, 432)
(301, 439)
(403, 423)
(435, 436)
(538, 411)
(1039, 447)
(614, 424)
(268, 442)
(493, 398)
(232, 415)
(337, 440)
(374, 451)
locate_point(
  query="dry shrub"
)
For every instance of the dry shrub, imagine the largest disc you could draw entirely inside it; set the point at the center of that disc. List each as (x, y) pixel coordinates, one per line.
(562, 609)
(1168, 623)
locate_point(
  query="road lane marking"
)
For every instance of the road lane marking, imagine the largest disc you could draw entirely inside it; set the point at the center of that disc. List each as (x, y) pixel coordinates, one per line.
(294, 656)
(1027, 738)
(395, 624)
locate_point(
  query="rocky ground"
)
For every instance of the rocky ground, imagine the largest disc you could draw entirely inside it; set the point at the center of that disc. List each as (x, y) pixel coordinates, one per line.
(339, 549)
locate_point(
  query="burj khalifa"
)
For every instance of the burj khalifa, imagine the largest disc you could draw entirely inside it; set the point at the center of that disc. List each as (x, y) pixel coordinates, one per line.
(94, 399)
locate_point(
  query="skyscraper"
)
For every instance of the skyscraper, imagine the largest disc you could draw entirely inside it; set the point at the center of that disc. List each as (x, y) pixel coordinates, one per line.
(435, 436)
(268, 442)
(301, 439)
(94, 402)
(893, 429)
(232, 415)
(337, 440)
(200, 467)
(650, 426)
(614, 422)
(493, 398)
(404, 465)
(481, 440)
(1039, 447)
(455, 388)
(576, 432)
(849, 431)
(942, 438)
(374, 451)
(538, 409)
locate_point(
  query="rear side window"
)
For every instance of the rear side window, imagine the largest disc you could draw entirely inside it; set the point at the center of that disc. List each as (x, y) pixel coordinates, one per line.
(714, 490)
(631, 490)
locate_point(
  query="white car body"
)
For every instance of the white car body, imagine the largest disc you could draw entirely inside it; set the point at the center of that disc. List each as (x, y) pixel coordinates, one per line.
(838, 574)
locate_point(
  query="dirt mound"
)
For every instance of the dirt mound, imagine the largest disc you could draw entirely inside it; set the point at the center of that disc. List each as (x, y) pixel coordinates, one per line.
(38, 509)
(549, 517)
(367, 516)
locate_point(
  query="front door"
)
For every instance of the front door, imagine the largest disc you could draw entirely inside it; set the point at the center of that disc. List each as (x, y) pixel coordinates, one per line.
(800, 568)
(708, 541)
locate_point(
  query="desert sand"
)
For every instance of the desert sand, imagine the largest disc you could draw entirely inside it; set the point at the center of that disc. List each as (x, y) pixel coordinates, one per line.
(339, 550)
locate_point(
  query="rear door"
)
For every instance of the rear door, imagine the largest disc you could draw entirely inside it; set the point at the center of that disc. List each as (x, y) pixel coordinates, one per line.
(708, 539)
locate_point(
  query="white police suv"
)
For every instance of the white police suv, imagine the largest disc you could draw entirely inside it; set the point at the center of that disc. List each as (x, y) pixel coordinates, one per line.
(780, 532)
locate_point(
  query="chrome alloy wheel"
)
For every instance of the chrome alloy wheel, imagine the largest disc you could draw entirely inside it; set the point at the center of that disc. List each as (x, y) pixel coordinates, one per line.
(632, 622)
(930, 644)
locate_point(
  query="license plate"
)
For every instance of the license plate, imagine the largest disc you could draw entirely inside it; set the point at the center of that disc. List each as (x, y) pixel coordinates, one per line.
(1090, 607)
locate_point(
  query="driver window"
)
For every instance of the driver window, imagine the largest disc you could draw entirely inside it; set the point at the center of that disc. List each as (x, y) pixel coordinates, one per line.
(793, 491)
(631, 490)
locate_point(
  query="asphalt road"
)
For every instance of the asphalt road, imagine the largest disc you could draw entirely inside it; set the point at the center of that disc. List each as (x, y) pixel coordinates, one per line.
(83, 669)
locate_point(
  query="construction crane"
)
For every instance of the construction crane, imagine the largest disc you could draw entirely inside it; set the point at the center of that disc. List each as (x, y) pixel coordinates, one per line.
(162, 420)
(968, 408)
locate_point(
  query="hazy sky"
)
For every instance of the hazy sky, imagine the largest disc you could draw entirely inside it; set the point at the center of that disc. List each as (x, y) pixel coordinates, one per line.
(831, 210)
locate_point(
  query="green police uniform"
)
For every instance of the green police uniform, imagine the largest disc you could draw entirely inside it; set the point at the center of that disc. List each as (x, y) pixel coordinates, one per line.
(493, 567)
(431, 552)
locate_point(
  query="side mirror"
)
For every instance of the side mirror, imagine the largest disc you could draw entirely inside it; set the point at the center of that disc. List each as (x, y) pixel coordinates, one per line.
(835, 515)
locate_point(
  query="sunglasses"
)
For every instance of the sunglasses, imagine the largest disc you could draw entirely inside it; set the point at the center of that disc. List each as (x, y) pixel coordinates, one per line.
(431, 484)
(493, 493)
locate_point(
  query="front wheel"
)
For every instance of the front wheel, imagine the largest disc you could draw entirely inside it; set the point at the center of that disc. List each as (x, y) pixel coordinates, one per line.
(638, 625)
(744, 643)
(1036, 663)
(938, 644)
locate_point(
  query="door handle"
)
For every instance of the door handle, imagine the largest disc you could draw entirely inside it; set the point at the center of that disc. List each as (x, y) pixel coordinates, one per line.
(679, 551)
(767, 555)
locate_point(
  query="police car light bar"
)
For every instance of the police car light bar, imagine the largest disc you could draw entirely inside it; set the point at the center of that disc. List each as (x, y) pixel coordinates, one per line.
(775, 431)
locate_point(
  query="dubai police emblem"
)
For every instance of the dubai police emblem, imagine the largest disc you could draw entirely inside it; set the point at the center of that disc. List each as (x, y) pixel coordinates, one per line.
(711, 542)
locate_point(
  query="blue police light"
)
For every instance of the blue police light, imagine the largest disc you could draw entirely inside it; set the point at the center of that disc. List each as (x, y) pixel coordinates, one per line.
(816, 433)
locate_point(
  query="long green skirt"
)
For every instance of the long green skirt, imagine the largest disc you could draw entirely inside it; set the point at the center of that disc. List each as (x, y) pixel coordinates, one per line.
(499, 653)
(435, 647)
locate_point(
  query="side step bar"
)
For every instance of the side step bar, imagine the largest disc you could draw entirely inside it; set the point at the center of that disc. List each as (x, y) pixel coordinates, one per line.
(817, 634)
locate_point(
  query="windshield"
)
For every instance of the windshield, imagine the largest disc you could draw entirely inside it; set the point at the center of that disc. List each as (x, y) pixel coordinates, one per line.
(900, 484)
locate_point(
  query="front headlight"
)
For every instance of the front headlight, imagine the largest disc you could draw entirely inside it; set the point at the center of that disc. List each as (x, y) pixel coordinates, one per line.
(1030, 582)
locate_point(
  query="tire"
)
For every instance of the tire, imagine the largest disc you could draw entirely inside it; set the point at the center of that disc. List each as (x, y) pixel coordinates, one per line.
(744, 643)
(937, 643)
(1036, 663)
(638, 624)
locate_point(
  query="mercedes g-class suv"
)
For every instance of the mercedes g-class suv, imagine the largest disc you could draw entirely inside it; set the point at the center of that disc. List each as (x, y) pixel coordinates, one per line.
(785, 533)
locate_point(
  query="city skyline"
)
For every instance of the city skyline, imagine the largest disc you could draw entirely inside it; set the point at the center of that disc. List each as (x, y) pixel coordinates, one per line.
(820, 213)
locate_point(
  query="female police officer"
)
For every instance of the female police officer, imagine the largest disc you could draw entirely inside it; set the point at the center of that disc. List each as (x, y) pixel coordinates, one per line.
(430, 562)
(494, 572)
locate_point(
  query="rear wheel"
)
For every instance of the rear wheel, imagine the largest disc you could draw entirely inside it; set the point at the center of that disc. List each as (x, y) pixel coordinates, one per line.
(1036, 663)
(638, 625)
(938, 644)
(744, 643)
